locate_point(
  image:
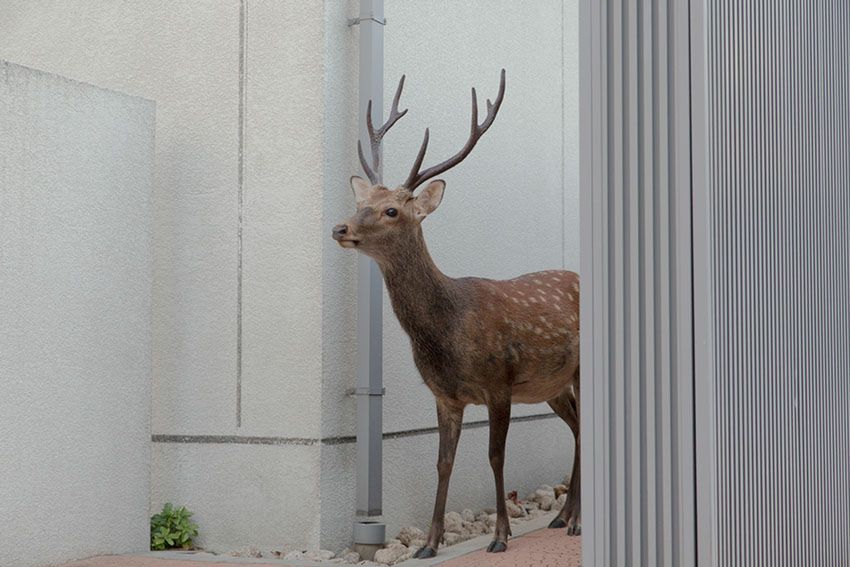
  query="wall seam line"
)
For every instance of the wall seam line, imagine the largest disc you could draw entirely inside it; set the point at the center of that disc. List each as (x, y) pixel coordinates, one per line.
(563, 139)
(243, 65)
(330, 440)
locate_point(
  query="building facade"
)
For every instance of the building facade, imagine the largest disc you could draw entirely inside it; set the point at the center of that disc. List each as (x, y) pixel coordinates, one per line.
(714, 264)
(253, 327)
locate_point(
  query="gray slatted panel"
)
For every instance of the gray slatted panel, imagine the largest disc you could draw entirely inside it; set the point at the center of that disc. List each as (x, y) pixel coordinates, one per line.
(778, 183)
(637, 366)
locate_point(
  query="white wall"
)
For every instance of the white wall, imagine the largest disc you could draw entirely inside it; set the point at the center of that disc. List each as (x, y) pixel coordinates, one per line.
(75, 344)
(186, 56)
(282, 78)
(512, 206)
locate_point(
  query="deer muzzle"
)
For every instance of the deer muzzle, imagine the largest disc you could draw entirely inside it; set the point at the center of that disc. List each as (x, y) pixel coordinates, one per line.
(342, 234)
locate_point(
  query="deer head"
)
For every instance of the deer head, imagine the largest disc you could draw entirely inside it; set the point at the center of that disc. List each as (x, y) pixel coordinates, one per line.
(387, 220)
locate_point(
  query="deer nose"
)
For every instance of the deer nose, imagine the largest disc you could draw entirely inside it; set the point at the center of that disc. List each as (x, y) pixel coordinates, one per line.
(339, 230)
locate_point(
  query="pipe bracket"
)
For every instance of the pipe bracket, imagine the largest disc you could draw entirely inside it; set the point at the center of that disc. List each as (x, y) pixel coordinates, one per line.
(366, 391)
(356, 21)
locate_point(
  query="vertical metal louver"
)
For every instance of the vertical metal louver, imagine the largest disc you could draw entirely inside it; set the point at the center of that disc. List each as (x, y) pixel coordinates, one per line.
(637, 332)
(716, 282)
(778, 179)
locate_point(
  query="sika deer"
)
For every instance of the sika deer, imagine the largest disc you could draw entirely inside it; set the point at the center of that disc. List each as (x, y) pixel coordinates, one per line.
(474, 340)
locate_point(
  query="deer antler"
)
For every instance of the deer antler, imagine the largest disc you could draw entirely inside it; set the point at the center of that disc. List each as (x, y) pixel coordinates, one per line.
(415, 179)
(375, 137)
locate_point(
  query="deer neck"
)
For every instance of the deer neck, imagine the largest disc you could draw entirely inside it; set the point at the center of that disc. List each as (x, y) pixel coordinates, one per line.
(423, 298)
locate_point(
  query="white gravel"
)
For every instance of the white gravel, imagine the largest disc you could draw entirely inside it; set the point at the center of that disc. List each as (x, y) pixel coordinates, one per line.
(459, 526)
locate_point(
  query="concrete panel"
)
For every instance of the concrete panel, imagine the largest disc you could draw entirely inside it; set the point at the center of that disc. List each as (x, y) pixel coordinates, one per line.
(75, 343)
(505, 209)
(571, 134)
(283, 220)
(263, 496)
(538, 452)
(184, 55)
(338, 489)
(339, 276)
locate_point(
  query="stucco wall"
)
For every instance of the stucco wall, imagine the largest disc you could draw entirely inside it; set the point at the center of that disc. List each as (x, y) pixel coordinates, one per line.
(512, 206)
(75, 344)
(257, 101)
(239, 89)
(184, 55)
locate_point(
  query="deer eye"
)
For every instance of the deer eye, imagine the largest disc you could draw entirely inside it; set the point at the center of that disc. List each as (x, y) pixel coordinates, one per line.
(391, 212)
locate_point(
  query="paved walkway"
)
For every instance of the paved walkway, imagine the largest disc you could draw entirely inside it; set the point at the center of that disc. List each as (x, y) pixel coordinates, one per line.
(541, 548)
(538, 548)
(148, 561)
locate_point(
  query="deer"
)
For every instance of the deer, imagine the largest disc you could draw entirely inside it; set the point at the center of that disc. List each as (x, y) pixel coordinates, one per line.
(474, 340)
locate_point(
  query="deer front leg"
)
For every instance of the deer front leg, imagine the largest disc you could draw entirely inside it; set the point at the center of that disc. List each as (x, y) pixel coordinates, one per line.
(449, 420)
(500, 419)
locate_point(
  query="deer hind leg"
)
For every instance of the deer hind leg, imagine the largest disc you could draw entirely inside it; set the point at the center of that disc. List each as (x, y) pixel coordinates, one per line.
(500, 419)
(566, 406)
(449, 420)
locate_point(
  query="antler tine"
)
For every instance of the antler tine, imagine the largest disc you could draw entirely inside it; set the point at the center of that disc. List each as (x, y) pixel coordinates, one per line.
(491, 116)
(369, 127)
(394, 113)
(370, 173)
(373, 177)
(474, 125)
(417, 163)
(415, 179)
(376, 136)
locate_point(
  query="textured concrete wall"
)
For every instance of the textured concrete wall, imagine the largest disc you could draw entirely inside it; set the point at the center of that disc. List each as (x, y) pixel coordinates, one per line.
(239, 88)
(266, 495)
(512, 206)
(257, 104)
(75, 344)
(184, 55)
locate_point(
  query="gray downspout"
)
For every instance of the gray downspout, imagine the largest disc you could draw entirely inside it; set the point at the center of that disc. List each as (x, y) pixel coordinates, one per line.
(369, 535)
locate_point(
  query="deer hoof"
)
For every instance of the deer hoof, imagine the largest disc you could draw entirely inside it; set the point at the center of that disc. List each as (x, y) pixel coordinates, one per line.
(496, 546)
(425, 553)
(557, 523)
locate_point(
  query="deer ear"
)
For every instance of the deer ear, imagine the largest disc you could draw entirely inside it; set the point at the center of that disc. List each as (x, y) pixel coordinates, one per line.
(362, 188)
(429, 199)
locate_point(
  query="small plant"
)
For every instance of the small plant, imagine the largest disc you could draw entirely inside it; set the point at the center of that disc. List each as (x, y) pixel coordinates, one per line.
(172, 528)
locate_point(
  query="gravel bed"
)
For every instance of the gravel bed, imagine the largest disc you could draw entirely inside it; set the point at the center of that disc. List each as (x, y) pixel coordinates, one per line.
(459, 526)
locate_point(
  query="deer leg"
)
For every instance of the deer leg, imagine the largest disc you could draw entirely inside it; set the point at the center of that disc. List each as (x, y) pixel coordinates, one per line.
(567, 407)
(449, 420)
(500, 419)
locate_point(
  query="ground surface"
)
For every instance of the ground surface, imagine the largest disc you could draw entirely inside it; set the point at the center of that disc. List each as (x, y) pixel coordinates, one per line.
(140, 561)
(537, 548)
(540, 548)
